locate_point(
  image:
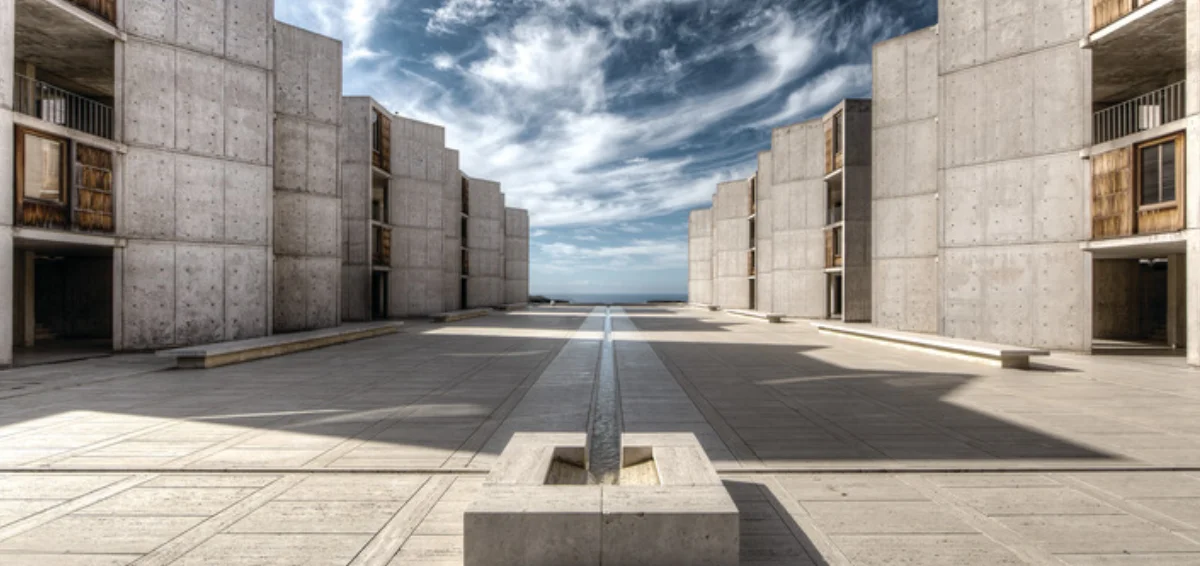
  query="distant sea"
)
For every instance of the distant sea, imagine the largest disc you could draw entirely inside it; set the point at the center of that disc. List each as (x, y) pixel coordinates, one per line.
(623, 298)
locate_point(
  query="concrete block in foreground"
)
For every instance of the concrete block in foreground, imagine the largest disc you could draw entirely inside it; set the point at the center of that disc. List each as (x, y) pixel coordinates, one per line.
(767, 316)
(536, 508)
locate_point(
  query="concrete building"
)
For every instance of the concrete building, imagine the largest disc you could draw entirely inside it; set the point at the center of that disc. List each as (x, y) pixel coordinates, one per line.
(1029, 180)
(516, 256)
(178, 179)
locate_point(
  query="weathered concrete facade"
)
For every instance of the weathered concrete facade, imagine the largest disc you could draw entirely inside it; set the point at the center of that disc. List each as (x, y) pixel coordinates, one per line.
(731, 245)
(905, 183)
(418, 181)
(215, 193)
(516, 256)
(196, 112)
(307, 198)
(485, 244)
(700, 257)
(797, 209)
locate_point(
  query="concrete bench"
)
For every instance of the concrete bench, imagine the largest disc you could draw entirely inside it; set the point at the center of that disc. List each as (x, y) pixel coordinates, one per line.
(999, 355)
(513, 307)
(455, 316)
(239, 351)
(713, 308)
(767, 316)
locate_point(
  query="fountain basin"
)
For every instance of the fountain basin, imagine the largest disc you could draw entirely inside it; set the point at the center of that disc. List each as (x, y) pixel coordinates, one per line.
(535, 507)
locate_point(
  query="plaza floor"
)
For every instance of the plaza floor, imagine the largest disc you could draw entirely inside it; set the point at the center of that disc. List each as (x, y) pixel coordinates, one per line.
(836, 451)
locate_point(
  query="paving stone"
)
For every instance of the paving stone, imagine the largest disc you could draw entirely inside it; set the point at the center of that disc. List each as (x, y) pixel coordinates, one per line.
(317, 517)
(52, 486)
(430, 551)
(169, 501)
(1100, 534)
(884, 517)
(100, 534)
(1183, 509)
(309, 549)
(355, 487)
(1144, 484)
(848, 488)
(1126, 559)
(16, 509)
(211, 480)
(996, 501)
(924, 550)
(41, 559)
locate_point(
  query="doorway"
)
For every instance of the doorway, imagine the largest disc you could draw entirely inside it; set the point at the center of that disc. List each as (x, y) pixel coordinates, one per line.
(379, 295)
(62, 304)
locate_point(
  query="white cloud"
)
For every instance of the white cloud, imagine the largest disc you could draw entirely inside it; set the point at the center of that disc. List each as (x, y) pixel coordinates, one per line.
(538, 56)
(352, 21)
(821, 93)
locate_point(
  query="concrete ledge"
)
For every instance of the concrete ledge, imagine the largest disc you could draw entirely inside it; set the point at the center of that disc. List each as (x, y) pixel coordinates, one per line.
(687, 518)
(455, 316)
(513, 307)
(239, 351)
(769, 317)
(713, 308)
(999, 355)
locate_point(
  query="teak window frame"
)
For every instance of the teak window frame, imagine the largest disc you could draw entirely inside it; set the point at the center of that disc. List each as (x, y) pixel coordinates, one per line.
(1179, 140)
(64, 157)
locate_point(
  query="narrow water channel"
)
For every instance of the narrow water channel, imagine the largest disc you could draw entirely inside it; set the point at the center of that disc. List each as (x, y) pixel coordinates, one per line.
(604, 427)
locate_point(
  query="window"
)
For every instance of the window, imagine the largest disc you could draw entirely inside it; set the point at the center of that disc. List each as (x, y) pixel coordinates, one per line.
(44, 167)
(376, 132)
(837, 133)
(379, 201)
(1159, 173)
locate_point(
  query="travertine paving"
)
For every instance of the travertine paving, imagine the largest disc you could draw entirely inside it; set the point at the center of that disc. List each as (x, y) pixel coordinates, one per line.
(836, 451)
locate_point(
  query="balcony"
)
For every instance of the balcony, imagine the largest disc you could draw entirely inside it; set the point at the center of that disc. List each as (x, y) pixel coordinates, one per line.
(1145, 112)
(61, 107)
(381, 141)
(381, 237)
(833, 248)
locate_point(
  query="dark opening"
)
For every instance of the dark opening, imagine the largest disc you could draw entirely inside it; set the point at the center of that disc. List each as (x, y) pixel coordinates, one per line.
(379, 295)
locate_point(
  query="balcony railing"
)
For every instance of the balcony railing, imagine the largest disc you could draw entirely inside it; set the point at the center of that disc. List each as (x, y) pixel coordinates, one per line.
(1147, 111)
(382, 236)
(106, 9)
(62, 107)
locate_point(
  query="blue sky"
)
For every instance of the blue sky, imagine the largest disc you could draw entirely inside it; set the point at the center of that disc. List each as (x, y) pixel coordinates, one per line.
(609, 119)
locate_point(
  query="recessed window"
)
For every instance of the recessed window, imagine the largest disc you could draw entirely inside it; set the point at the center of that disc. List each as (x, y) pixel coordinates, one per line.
(379, 201)
(44, 168)
(837, 133)
(1159, 173)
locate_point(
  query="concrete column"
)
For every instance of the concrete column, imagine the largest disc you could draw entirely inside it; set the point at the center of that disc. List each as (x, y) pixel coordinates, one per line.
(1192, 337)
(1177, 300)
(27, 290)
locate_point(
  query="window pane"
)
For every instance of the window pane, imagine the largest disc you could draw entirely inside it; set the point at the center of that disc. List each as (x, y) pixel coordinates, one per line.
(1150, 169)
(43, 168)
(1168, 171)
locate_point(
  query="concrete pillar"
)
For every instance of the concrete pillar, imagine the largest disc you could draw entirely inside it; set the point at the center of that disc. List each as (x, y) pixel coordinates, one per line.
(27, 292)
(7, 52)
(1192, 337)
(1177, 300)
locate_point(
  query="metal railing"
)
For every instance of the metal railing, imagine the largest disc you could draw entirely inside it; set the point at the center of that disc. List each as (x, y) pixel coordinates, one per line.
(1147, 111)
(62, 107)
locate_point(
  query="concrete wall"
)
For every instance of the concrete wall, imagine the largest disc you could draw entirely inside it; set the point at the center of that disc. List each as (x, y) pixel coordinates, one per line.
(307, 196)
(731, 245)
(355, 182)
(764, 237)
(196, 115)
(452, 233)
(856, 194)
(1193, 179)
(415, 284)
(905, 183)
(700, 257)
(516, 256)
(7, 271)
(485, 244)
(1013, 118)
(798, 216)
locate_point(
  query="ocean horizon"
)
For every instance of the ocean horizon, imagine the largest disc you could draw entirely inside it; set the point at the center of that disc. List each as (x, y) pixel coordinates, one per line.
(625, 298)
